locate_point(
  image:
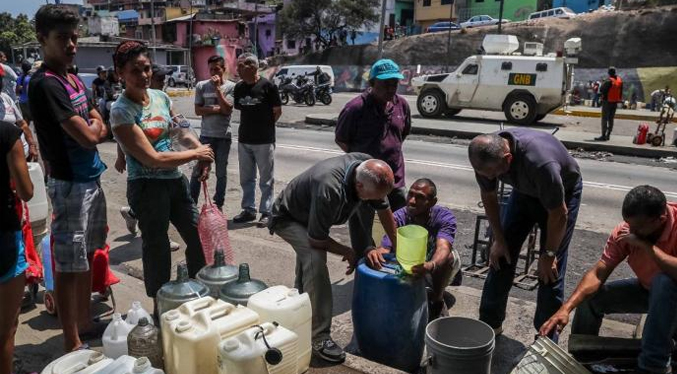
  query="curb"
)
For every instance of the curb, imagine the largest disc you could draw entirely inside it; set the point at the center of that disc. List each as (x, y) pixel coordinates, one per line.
(179, 93)
(587, 146)
(588, 114)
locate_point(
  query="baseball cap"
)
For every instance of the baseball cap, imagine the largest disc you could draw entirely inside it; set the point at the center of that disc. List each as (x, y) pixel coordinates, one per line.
(385, 69)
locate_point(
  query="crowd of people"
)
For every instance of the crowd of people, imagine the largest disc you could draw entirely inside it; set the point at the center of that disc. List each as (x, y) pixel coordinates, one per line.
(368, 180)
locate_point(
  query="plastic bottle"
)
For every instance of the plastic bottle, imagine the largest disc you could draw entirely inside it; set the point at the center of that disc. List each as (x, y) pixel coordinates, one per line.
(136, 313)
(183, 137)
(144, 341)
(115, 337)
(143, 366)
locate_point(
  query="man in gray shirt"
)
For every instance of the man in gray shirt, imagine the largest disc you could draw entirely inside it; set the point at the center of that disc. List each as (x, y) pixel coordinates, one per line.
(215, 106)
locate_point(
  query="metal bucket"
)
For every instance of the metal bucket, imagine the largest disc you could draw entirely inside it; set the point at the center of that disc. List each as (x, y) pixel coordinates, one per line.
(459, 345)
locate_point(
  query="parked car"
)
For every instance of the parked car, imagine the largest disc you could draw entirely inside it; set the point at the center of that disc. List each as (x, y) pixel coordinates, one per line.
(180, 75)
(442, 26)
(293, 71)
(481, 20)
(561, 12)
(87, 79)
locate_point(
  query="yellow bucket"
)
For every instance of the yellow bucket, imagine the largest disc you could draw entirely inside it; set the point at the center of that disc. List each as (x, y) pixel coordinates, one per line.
(412, 245)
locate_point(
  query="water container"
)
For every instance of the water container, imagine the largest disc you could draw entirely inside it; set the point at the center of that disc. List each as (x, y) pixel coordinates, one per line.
(144, 341)
(136, 312)
(291, 310)
(115, 337)
(247, 352)
(84, 361)
(174, 293)
(38, 206)
(390, 312)
(215, 276)
(412, 245)
(194, 344)
(458, 345)
(47, 262)
(121, 365)
(143, 366)
(238, 292)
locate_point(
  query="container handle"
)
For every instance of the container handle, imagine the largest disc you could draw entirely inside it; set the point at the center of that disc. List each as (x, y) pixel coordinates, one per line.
(198, 305)
(221, 310)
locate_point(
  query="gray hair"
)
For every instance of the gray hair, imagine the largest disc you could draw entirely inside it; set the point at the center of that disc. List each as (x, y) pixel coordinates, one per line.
(486, 149)
(249, 57)
(374, 174)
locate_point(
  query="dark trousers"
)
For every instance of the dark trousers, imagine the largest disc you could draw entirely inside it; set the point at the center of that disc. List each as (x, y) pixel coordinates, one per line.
(221, 148)
(156, 203)
(521, 213)
(362, 221)
(608, 113)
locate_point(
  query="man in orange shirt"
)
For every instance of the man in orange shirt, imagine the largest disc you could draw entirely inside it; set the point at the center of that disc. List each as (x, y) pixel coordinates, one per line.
(648, 239)
(612, 94)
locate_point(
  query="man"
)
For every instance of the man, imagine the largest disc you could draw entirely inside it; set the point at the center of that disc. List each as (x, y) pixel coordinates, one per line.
(69, 129)
(647, 238)
(442, 261)
(376, 123)
(547, 188)
(612, 94)
(9, 77)
(260, 107)
(325, 195)
(595, 94)
(157, 81)
(213, 101)
(98, 85)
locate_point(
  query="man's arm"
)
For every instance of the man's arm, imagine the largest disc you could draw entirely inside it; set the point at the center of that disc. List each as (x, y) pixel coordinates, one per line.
(277, 112)
(492, 210)
(87, 136)
(557, 225)
(332, 246)
(202, 110)
(344, 129)
(666, 262)
(95, 115)
(32, 145)
(389, 225)
(225, 106)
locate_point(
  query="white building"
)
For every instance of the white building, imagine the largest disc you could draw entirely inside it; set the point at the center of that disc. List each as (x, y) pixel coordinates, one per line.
(107, 25)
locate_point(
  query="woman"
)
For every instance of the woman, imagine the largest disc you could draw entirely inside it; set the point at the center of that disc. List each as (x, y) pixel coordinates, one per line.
(156, 190)
(13, 170)
(9, 112)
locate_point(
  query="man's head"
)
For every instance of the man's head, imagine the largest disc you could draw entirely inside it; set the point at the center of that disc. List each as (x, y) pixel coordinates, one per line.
(373, 180)
(217, 66)
(645, 211)
(26, 66)
(422, 197)
(56, 27)
(157, 81)
(101, 71)
(248, 67)
(490, 155)
(384, 78)
(612, 71)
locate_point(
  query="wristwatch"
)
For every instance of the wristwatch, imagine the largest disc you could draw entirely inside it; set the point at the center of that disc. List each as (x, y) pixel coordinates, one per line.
(551, 254)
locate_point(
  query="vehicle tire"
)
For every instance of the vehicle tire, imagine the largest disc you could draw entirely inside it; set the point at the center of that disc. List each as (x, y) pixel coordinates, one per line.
(431, 103)
(284, 98)
(171, 82)
(326, 99)
(452, 112)
(50, 303)
(657, 140)
(310, 99)
(539, 117)
(520, 109)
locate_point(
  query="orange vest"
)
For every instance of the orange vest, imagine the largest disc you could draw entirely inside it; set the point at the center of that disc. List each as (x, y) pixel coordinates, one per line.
(615, 95)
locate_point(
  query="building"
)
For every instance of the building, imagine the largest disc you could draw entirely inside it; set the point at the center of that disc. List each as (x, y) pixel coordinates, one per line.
(581, 6)
(428, 12)
(103, 24)
(128, 21)
(514, 10)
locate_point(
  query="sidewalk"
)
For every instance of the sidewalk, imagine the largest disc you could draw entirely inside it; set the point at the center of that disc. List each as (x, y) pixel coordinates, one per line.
(619, 144)
(629, 114)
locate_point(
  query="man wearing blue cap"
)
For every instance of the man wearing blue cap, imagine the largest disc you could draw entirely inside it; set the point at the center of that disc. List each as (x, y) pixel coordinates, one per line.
(376, 123)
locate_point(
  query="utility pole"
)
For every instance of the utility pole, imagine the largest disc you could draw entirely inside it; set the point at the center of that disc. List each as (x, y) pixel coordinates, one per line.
(381, 33)
(256, 28)
(500, 16)
(152, 23)
(190, 37)
(451, 16)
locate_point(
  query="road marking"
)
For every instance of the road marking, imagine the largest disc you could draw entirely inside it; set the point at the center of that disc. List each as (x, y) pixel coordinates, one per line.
(604, 186)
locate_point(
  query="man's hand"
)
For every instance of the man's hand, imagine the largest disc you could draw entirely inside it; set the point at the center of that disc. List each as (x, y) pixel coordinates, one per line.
(633, 240)
(547, 269)
(204, 168)
(423, 269)
(498, 251)
(351, 258)
(32, 153)
(556, 323)
(375, 257)
(121, 164)
(217, 81)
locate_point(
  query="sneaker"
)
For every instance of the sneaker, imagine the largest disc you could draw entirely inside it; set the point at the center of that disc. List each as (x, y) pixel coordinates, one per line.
(498, 331)
(244, 216)
(601, 138)
(129, 218)
(263, 221)
(174, 246)
(329, 351)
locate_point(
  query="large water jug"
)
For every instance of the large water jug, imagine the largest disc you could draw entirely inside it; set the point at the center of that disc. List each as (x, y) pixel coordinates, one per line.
(46, 247)
(215, 276)
(291, 310)
(144, 341)
(195, 342)
(389, 312)
(412, 245)
(239, 291)
(171, 319)
(115, 337)
(121, 365)
(38, 206)
(249, 353)
(84, 361)
(176, 292)
(143, 366)
(136, 312)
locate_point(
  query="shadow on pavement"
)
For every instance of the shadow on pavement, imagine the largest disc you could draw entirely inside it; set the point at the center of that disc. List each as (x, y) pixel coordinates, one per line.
(507, 355)
(129, 251)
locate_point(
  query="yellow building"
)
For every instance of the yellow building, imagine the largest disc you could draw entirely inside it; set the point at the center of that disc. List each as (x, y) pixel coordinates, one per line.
(430, 11)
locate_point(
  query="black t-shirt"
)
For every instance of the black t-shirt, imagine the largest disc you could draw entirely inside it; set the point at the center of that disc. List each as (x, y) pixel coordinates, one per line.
(256, 103)
(98, 82)
(9, 134)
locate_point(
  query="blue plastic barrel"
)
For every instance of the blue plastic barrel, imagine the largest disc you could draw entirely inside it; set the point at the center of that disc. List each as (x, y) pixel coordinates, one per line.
(47, 262)
(390, 313)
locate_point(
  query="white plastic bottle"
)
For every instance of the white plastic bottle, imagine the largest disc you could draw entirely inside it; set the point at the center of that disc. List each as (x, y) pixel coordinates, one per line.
(115, 337)
(142, 366)
(136, 313)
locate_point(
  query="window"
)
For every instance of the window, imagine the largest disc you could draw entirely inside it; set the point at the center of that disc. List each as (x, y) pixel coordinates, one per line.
(559, 11)
(535, 15)
(427, 2)
(447, 2)
(291, 44)
(551, 13)
(282, 72)
(506, 65)
(471, 69)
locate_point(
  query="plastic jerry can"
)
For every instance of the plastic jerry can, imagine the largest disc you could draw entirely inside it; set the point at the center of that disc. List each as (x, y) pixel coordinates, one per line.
(84, 361)
(121, 365)
(38, 206)
(254, 351)
(115, 337)
(195, 342)
(142, 366)
(171, 319)
(291, 310)
(136, 312)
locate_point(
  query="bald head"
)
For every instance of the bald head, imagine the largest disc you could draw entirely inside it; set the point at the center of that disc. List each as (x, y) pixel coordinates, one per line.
(375, 178)
(486, 150)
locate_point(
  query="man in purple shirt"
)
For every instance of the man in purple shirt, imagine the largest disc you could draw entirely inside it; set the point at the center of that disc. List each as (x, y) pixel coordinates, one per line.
(376, 123)
(442, 261)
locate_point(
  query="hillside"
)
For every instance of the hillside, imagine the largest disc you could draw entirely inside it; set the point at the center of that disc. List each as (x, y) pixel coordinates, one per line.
(625, 39)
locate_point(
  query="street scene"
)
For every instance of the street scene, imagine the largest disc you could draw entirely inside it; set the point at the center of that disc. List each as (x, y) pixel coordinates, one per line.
(337, 186)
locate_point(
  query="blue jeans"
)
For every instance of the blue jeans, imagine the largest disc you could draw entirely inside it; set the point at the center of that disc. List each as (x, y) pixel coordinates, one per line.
(628, 296)
(221, 148)
(521, 213)
(253, 156)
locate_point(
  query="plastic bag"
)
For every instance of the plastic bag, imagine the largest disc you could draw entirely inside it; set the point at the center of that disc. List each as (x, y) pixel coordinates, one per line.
(212, 227)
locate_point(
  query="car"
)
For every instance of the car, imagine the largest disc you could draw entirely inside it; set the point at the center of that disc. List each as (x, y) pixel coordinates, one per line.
(481, 20)
(180, 75)
(442, 26)
(87, 79)
(561, 12)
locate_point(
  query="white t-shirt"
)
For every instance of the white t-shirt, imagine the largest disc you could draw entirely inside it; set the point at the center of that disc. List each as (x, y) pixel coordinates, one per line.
(11, 113)
(9, 81)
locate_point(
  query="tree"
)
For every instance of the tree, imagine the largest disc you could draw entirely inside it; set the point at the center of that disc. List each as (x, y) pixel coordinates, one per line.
(326, 20)
(14, 31)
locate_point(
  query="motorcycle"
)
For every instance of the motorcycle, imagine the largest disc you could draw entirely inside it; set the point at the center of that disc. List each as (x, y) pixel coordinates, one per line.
(323, 93)
(303, 90)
